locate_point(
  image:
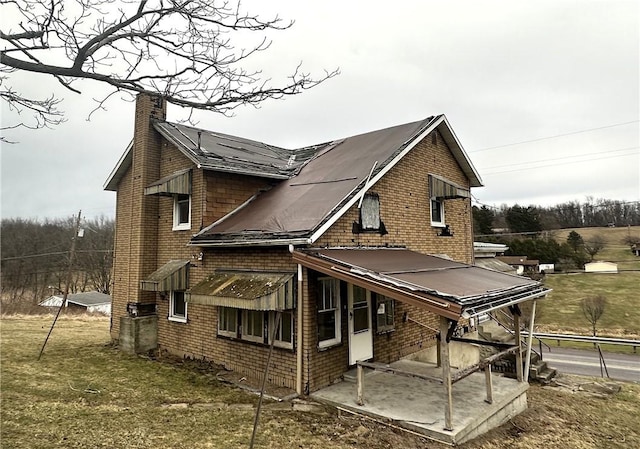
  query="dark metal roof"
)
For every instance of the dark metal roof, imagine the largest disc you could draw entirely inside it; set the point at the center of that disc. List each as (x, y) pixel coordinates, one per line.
(222, 152)
(298, 206)
(474, 289)
(88, 298)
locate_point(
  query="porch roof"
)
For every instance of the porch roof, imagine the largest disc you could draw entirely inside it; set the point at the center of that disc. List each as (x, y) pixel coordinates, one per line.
(448, 288)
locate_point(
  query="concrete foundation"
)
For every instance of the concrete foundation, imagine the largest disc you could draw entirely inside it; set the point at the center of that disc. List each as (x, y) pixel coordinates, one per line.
(461, 355)
(138, 335)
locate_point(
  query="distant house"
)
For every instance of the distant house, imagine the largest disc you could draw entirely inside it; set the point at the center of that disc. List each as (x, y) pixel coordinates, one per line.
(92, 302)
(600, 267)
(486, 257)
(521, 263)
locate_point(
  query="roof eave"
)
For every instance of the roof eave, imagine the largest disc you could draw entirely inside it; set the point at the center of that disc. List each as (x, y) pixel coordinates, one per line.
(119, 170)
(459, 152)
(235, 243)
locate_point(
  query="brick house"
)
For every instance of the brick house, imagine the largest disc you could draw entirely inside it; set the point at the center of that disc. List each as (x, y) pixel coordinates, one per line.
(355, 249)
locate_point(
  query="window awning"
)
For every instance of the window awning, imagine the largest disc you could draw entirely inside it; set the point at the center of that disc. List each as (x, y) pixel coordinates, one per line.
(245, 290)
(444, 189)
(176, 183)
(447, 288)
(171, 276)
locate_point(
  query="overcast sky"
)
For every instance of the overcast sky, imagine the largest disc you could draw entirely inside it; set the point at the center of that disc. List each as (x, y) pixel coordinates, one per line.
(544, 96)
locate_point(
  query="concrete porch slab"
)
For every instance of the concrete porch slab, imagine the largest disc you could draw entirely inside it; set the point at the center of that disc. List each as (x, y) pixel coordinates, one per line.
(419, 405)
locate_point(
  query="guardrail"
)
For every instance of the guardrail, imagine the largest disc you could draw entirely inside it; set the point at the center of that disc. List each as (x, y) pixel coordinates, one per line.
(589, 339)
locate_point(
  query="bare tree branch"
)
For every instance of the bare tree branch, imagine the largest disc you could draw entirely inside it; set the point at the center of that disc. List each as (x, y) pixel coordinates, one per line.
(181, 49)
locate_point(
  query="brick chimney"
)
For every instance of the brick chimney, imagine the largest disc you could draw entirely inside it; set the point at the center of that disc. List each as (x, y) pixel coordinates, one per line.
(137, 214)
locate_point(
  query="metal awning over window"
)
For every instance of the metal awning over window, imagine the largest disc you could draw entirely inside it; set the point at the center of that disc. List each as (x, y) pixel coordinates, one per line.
(171, 276)
(443, 189)
(245, 290)
(174, 184)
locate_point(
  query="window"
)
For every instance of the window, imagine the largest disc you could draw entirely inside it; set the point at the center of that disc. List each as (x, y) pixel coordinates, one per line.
(384, 314)
(369, 216)
(370, 212)
(181, 212)
(329, 332)
(437, 213)
(228, 322)
(177, 307)
(284, 334)
(252, 328)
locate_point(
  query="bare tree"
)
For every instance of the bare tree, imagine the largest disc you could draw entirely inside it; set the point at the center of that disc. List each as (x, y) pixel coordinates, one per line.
(593, 308)
(179, 49)
(594, 245)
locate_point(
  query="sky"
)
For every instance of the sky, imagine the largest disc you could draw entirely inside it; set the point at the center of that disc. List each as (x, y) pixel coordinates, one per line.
(544, 96)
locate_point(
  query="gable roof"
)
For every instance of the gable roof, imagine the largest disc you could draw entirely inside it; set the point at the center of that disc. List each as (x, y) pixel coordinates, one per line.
(319, 183)
(302, 208)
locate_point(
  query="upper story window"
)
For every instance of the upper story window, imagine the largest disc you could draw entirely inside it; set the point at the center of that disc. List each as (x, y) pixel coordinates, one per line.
(370, 215)
(437, 213)
(181, 212)
(177, 306)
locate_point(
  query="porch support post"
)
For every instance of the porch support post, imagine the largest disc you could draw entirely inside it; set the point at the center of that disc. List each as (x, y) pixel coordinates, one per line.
(446, 373)
(299, 339)
(487, 376)
(532, 320)
(360, 381)
(515, 310)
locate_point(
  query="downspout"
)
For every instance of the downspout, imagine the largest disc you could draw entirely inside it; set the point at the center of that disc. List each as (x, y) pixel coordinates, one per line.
(299, 338)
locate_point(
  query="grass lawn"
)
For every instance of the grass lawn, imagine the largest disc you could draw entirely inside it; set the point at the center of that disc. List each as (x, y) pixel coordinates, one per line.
(84, 393)
(561, 311)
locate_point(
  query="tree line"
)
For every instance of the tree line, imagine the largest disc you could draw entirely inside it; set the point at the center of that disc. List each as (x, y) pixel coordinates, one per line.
(35, 257)
(524, 229)
(571, 214)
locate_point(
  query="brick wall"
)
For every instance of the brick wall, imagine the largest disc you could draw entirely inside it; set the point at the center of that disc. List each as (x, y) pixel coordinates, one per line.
(144, 227)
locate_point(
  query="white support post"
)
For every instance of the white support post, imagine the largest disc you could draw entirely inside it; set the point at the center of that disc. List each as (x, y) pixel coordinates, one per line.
(527, 363)
(360, 381)
(487, 376)
(516, 325)
(446, 373)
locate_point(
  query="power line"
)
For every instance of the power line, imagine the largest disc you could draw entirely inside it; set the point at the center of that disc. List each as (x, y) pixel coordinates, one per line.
(57, 254)
(599, 153)
(564, 163)
(554, 137)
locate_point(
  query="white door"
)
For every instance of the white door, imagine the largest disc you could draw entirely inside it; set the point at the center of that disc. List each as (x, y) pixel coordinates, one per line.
(360, 335)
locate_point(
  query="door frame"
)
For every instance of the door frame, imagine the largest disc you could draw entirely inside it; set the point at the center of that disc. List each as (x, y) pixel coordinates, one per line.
(360, 343)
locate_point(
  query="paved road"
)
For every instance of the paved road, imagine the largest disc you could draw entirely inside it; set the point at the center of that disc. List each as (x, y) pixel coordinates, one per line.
(583, 362)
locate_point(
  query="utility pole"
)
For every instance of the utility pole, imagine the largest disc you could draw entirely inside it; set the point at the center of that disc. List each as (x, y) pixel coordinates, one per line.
(72, 253)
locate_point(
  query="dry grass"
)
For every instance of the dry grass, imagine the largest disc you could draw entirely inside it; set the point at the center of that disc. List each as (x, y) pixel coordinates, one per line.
(562, 312)
(84, 393)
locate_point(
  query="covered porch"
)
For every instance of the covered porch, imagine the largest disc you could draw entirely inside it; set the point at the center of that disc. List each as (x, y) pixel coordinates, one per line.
(417, 405)
(440, 401)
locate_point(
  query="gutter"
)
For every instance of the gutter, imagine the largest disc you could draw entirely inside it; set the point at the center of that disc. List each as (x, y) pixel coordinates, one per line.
(244, 243)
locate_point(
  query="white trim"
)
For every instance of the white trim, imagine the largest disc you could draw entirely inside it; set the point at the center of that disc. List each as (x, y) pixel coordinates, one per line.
(243, 327)
(176, 225)
(223, 332)
(436, 224)
(335, 217)
(337, 339)
(271, 318)
(172, 316)
(118, 166)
